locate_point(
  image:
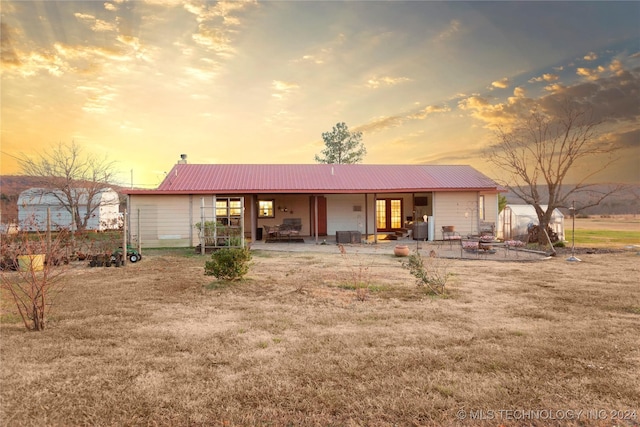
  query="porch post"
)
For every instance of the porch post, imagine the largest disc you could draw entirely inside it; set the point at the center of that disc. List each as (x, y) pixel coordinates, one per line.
(375, 218)
(202, 233)
(254, 217)
(366, 216)
(315, 207)
(215, 219)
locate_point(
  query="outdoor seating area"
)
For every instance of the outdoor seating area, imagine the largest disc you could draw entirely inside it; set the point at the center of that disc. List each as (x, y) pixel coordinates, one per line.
(487, 243)
(288, 231)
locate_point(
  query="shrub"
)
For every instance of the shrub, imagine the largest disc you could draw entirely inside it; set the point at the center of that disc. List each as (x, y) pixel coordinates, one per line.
(32, 265)
(432, 273)
(360, 274)
(228, 263)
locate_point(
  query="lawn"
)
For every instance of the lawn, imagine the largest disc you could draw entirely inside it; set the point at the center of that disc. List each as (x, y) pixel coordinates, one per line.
(608, 231)
(159, 343)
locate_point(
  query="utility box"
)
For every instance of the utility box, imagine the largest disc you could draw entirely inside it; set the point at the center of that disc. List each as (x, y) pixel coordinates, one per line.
(348, 237)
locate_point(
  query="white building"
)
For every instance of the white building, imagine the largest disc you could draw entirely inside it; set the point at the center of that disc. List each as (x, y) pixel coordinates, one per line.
(33, 204)
(364, 199)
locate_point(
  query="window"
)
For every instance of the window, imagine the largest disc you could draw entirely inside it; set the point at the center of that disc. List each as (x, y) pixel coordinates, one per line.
(265, 209)
(228, 208)
(481, 208)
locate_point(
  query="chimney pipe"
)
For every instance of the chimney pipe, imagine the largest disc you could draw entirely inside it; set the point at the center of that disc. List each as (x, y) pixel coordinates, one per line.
(183, 159)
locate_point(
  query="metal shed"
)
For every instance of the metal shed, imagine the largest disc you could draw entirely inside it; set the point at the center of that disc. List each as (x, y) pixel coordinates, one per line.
(514, 221)
(33, 204)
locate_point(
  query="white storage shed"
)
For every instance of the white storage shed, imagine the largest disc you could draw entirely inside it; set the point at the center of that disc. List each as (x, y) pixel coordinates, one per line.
(514, 221)
(33, 204)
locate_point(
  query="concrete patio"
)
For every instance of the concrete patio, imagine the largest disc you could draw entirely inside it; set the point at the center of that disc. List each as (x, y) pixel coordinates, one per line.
(385, 247)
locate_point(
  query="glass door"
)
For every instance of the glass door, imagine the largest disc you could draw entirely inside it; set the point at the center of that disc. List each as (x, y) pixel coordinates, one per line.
(388, 214)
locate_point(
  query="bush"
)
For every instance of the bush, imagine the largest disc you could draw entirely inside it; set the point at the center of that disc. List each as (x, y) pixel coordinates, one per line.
(228, 263)
(431, 273)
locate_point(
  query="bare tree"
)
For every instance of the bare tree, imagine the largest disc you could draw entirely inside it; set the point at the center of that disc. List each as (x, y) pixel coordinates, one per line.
(32, 265)
(73, 178)
(342, 146)
(544, 150)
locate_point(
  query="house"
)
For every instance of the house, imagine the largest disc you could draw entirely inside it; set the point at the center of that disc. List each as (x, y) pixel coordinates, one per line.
(514, 222)
(365, 199)
(34, 202)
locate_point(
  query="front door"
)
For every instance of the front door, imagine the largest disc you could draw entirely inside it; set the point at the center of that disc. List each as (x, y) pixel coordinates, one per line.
(388, 214)
(322, 215)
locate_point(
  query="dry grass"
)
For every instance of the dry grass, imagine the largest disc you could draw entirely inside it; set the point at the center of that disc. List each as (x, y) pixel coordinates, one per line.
(159, 343)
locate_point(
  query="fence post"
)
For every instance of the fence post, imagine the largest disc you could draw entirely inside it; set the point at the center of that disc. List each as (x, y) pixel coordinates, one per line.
(124, 239)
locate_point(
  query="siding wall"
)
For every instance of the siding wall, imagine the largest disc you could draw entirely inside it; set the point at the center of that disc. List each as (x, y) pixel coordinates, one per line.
(341, 215)
(168, 221)
(163, 221)
(450, 209)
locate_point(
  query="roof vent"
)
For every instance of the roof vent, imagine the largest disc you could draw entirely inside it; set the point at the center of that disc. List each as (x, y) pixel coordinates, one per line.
(183, 159)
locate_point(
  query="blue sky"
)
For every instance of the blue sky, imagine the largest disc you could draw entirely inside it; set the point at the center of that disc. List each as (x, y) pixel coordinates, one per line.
(258, 82)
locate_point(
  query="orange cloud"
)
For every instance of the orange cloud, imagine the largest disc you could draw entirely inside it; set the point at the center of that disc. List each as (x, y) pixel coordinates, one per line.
(376, 82)
(502, 83)
(547, 77)
(591, 56)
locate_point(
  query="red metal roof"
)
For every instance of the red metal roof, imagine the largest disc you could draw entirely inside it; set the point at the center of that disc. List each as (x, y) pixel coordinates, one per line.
(319, 178)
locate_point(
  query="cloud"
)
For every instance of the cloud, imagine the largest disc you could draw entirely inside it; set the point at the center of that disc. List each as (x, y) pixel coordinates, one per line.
(376, 82)
(97, 25)
(282, 89)
(136, 49)
(501, 84)
(519, 92)
(555, 88)
(315, 59)
(629, 139)
(110, 7)
(590, 73)
(216, 24)
(450, 31)
(591, 56)
(8, 55)
(386, 122)
(322, 54)
(431, 109)
(98, 98)
(616, 66)
(612, 99)
(215, 39)
(500, 114)
(202, 74)
(547, 77)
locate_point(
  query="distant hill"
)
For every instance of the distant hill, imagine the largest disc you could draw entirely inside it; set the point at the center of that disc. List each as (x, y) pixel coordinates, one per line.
(10, 188)
(626, 201)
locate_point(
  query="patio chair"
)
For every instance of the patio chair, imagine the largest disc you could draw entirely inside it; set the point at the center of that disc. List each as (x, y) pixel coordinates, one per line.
(271, 233)
(450, 234)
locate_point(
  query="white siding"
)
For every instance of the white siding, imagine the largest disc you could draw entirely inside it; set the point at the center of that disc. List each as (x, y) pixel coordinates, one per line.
(459, 209)
(33, 204)
(163, 220)
(342, 217)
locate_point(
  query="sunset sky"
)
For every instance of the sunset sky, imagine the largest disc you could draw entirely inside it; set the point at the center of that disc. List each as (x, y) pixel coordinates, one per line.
(259, 82)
